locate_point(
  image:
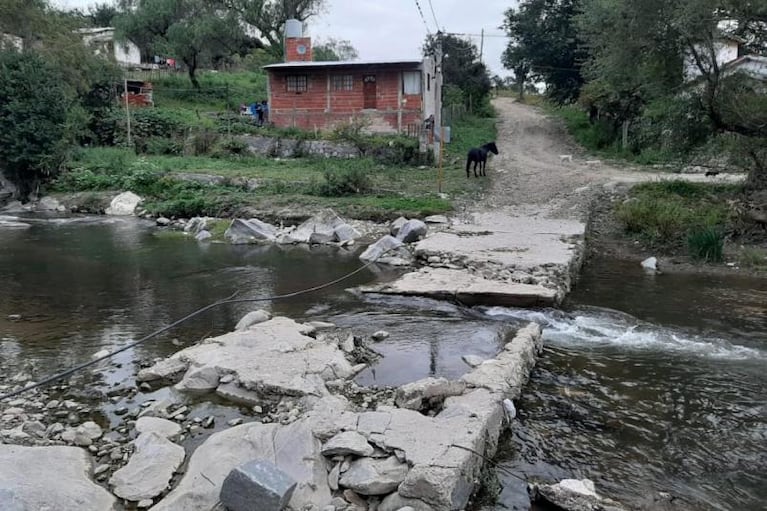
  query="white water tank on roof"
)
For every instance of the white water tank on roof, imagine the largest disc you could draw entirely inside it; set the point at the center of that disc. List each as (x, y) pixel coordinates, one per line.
(294, 28)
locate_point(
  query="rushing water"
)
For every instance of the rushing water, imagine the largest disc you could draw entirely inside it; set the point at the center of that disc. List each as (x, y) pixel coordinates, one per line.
(647, 384)
(644, 409)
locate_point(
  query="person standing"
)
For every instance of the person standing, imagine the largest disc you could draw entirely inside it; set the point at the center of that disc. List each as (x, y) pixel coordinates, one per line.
(264, 115)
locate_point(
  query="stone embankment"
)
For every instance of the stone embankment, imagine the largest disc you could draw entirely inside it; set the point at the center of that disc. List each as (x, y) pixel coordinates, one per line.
(346, 447)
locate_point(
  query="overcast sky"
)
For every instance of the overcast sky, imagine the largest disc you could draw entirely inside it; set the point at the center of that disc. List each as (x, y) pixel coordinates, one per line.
(382, 29)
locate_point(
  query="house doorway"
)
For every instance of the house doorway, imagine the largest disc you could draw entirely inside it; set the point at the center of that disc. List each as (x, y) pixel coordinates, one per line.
(369, 91)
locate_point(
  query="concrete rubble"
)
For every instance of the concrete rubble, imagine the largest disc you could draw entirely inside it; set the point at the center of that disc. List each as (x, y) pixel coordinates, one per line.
(572, 495)
(421, 446)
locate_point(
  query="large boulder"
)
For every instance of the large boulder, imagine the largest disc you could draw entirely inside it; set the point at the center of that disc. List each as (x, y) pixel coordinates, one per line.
(33, 478)
(257, 481)
(345, 233)
(411, 231)
(368, 476)
(321, 228)
(124, 204)
(250, 231)
(149, 470)
(293, 449)
(387, 250)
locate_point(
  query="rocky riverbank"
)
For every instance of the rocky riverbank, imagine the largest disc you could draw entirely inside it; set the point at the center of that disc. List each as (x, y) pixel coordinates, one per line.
(421, 445)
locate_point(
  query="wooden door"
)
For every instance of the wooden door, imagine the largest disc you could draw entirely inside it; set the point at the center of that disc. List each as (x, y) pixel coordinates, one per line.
(369, 91)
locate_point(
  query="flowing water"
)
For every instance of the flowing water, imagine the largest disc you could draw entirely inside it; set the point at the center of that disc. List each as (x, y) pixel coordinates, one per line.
(647, 384)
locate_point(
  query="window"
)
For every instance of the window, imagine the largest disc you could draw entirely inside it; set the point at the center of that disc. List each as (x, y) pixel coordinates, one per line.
(343, 82)
(411, 82)
(296, 83)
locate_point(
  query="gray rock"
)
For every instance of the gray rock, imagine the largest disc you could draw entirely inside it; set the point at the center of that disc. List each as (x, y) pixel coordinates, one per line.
(162, 221)
(572, 495)
(345, 232)
(412, 231)
(385, 250)
(203, 236)
(374, 477)
(123, 204)
(252, 318)
(162, 370)
(233, 392)
(333, 477)
(322, 237)
(413, 395)
(380, 335)
(199, 379)
(348, 442)
(242, 231)
(396, 502)
(196, 225)
(50, 204)
(396, 225)
(436, 219)
(162, 427)
(322, 226)
(234, 422)
(149, 470)
(83, 435)
(472, 360)
(34, 428)
(259, 482)
(650, 265)
(42, 478)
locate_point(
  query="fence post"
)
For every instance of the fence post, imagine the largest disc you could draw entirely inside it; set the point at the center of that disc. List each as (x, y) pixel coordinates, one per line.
(127, 109)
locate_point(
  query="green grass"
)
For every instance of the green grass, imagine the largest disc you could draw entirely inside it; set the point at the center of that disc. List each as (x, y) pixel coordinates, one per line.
(219, 91)
(669, 214)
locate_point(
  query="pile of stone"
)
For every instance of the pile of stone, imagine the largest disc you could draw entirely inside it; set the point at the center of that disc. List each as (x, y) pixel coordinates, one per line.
(393, 248)
(324, 228)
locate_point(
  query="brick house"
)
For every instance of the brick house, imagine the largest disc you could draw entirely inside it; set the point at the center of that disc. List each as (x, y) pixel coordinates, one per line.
(396, 96)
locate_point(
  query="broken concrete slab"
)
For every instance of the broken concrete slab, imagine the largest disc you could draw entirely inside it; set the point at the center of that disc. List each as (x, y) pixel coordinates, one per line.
(273, 357)
(243, 231)
(199, 379)
(322, 226)
(149, 470)
(415, 395)
(257, 481)
(348, 442)
(463, 287)
(162, 370)
(387, 250)
(252, 318)
(162, 427)
(572, 495)
(49, 478)
(368, 476)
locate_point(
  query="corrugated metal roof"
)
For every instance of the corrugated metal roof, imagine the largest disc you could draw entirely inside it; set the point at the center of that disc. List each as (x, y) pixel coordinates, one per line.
(343, 63)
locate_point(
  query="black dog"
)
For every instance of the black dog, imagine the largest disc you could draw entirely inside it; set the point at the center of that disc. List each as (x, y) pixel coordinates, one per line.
(479, 156)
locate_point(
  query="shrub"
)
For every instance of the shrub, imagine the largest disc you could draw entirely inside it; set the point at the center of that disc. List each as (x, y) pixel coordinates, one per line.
(201, 143)
(706, 244)
(164, 146)
(341, 183)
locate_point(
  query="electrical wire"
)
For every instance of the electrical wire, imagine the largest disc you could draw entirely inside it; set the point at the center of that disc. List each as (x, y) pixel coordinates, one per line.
(420, 11)
(226, 301)
(434, 15)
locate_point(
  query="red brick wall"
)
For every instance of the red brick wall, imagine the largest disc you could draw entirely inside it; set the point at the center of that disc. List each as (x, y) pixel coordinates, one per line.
(291, 49)
(320, 108)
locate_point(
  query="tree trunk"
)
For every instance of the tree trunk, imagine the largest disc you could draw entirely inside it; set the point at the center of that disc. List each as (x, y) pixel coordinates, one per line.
(757, 176)
(193, 76)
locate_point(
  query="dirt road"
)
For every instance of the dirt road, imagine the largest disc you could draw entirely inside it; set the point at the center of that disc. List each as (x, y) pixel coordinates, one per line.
(532, 174)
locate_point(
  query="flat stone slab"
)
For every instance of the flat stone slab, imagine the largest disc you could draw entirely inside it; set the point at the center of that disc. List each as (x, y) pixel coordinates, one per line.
(522, 242)
(49, 478)
(460, 285)
(149, 470)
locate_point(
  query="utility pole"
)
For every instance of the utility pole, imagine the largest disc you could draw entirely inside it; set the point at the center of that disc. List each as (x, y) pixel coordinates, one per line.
(481, 44)
(127, 109)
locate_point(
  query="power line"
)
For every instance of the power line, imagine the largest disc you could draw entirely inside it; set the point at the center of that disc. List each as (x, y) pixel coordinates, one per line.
(476, 35)
(434, 15)
(420, 11)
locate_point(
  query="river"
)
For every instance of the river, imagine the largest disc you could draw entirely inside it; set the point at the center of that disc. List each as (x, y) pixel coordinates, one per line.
(647, 384)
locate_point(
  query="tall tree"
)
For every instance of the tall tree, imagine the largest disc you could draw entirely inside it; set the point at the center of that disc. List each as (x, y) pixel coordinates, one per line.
(334, 50)
(461, 67)
(193, 31)
(543, 37)
(268, 17)
(34, 112)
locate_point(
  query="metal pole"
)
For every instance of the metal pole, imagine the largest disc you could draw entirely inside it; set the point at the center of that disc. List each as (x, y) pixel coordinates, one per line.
(127, 109)
(441, 150)
(481, 44)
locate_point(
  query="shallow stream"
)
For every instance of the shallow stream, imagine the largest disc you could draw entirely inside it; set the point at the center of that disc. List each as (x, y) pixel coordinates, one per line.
(647, 385)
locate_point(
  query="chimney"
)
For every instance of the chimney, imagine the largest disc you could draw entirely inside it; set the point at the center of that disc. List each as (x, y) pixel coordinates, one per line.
(297, 47)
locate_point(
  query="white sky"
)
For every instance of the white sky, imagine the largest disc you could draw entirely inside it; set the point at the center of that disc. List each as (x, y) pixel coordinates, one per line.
(381, 29)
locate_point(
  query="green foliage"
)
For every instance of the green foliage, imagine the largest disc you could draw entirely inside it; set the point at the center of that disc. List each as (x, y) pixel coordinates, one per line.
(461, 68)
(34, 119)
(544, 43)
(665, 213)
(706, 244)
(334, 50)
(344, 182)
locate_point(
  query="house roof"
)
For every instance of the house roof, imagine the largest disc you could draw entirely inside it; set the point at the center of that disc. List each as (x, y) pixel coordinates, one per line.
(755, 65)
(344, 64)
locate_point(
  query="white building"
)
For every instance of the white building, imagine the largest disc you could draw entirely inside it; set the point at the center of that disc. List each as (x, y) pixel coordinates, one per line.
(726, 49)
(102, 41)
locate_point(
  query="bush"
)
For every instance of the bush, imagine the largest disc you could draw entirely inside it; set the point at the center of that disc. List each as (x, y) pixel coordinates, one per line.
(201, 143)
(706, 244)
(164, 146)
(342, 183)
(34, 114)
